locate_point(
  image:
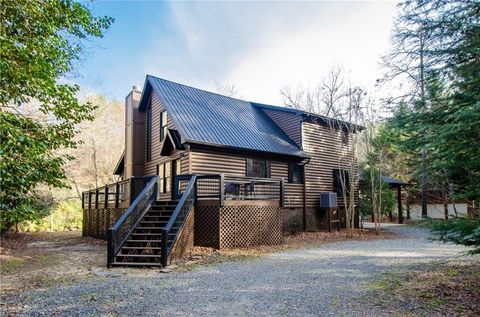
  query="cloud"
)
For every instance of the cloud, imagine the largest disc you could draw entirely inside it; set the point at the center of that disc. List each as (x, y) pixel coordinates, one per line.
(262, 47)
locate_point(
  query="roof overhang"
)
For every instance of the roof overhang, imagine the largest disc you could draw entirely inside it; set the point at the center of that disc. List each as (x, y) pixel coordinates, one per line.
(172, 142)
(120, 165)
(232, 149)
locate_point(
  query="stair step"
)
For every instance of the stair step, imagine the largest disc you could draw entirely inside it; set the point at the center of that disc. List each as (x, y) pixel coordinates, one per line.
(143, 241)
(136, 264)
(149, 228)
(154, 256)
(142, 248)
(146, 233)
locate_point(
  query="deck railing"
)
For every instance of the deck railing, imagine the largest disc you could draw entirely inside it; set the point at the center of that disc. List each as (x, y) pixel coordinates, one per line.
(116, 195)
(224, 187)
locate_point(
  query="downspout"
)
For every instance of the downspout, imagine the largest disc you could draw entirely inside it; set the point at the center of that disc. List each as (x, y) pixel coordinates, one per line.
(304, 213)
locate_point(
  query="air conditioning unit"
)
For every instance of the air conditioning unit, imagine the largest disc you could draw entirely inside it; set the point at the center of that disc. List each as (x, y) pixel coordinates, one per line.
(328, 200)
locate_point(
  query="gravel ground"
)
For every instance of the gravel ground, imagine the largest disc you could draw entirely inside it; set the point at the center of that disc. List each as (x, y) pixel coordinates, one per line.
(329, 280)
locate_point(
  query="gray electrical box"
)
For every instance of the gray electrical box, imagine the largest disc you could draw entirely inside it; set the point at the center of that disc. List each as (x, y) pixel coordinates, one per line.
(328, 200)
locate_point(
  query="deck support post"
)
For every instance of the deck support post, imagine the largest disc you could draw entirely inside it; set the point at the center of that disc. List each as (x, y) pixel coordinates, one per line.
(96, 198)
(222, 190)
(117, 194)
(105, 198)
(399, 200)
(282, 192)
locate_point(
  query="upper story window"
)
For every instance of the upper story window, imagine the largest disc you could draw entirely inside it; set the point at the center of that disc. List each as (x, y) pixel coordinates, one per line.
(341, 182)
(295, 173)
(258, 168)
(149, 133)
(163, 125)
(345, 137)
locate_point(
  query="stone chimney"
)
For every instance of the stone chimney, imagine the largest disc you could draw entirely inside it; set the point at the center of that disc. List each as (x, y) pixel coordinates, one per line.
(134, 135)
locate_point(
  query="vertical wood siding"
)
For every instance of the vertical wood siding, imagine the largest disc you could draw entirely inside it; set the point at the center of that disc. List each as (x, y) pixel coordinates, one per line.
(213, 162)
(288, 122)
(327, 153)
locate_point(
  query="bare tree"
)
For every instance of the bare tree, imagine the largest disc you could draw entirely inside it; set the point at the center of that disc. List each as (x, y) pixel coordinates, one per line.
(229, 90)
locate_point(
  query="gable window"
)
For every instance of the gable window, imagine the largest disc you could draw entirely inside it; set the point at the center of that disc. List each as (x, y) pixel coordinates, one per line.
(345, 136)
(341, 180)
(295, 173)
(163, 125)
(149, 134)
(258, 168)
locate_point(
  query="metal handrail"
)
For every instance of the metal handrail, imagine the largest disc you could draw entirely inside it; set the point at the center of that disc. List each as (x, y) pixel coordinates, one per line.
(190, 192)
(143, 197)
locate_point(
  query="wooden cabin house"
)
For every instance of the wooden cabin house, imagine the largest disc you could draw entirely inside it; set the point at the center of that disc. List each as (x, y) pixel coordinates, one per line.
(200, 168)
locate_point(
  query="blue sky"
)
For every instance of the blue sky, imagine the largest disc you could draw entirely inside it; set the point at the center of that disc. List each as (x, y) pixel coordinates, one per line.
(258, 46)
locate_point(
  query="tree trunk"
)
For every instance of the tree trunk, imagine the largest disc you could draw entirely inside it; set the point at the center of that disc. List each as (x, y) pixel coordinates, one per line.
(445, 205)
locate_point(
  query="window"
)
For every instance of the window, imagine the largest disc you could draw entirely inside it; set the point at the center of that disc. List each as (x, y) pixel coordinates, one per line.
(345, 137)
(295, 173)
(163, 125)
(258, 168)
(340, 179)
(149, 133)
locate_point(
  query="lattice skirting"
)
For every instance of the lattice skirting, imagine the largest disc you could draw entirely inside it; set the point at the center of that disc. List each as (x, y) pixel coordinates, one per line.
(96, 222)
(184, 243)
(238, 226)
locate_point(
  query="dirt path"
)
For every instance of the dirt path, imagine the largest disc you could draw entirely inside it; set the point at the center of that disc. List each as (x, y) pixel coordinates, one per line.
(331, 279)
(30, 261)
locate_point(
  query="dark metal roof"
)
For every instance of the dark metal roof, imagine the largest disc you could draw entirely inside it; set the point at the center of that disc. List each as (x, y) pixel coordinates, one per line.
(208, 118)
(311, 117)
(393, 181)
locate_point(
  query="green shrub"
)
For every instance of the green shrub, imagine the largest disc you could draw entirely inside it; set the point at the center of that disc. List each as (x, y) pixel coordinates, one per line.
(464, 231)
(66, 215)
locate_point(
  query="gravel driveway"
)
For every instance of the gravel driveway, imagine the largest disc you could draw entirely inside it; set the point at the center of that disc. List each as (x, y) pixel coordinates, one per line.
(328, 280)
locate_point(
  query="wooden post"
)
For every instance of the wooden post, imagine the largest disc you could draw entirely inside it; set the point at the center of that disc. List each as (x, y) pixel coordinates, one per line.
(117, 194)
(282, 192)
(132, 191)
(89, 200)
(83, 200)
(96, 198)
(105, 197)
(399, 200)
(222, 190)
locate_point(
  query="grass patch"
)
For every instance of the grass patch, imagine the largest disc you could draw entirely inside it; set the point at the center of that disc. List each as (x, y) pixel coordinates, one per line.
(11, 264)
(439, 288)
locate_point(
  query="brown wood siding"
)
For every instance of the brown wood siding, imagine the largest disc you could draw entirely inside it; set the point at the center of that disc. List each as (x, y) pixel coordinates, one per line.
(327, 153)
(288, 122)
(150, 168)
(213, 162)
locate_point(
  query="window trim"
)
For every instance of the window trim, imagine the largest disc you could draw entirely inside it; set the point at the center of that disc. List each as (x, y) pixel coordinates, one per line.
(149, 134)
(336, 185)
(249, 167)
(291, 170)
(163, 128)
(345, 137)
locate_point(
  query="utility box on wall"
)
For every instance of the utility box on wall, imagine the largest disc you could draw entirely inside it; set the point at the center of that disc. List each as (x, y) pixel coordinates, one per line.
(328, 200)
(328, 207)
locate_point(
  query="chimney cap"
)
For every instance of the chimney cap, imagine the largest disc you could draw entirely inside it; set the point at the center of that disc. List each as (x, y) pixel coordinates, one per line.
(136, 88)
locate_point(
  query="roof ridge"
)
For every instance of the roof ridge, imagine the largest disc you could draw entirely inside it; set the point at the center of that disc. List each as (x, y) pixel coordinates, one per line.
(188, 86)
